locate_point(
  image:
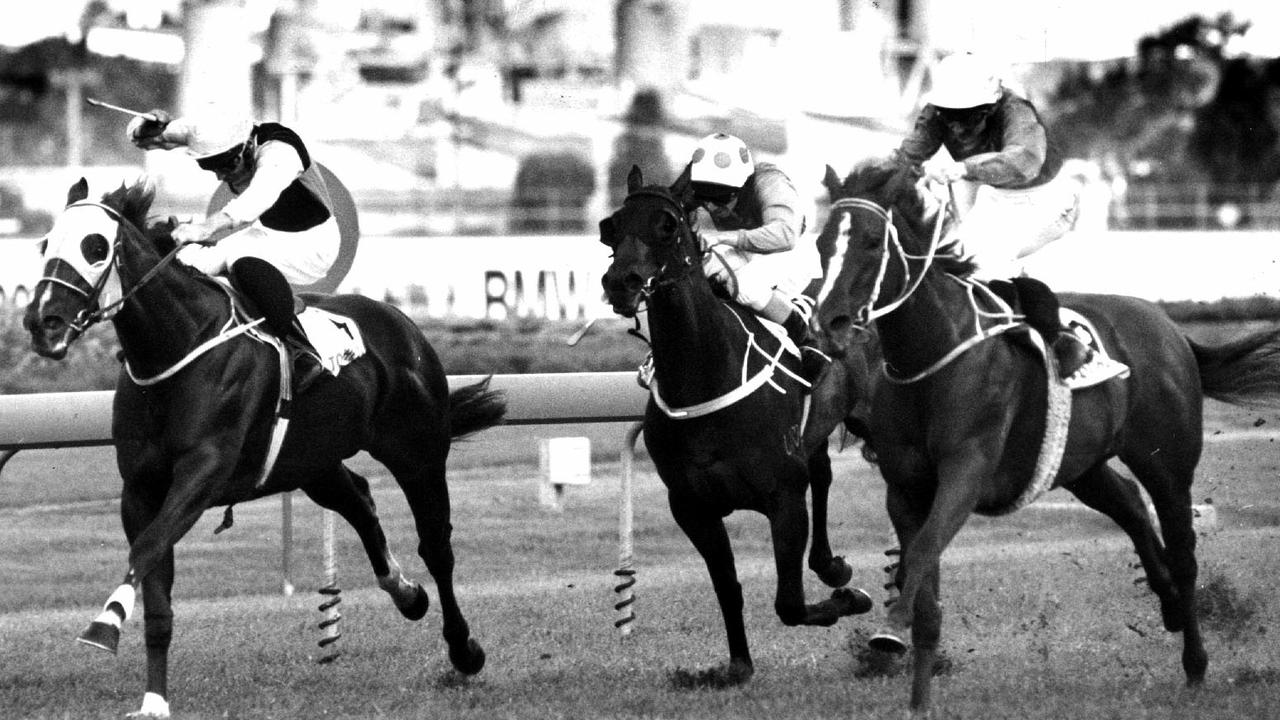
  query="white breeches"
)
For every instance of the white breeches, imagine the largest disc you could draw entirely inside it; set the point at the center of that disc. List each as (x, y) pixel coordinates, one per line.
(753, 277)
(1004, 226)
(302, 257)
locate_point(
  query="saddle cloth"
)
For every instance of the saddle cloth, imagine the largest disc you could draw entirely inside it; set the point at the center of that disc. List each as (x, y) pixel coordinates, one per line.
(336, 338)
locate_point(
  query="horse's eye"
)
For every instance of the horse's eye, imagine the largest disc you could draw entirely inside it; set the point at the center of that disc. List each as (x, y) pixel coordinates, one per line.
(94, 248)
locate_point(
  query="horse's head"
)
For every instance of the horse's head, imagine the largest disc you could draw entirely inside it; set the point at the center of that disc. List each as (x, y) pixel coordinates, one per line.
(81, 283)
(652, 241)
(873, 233)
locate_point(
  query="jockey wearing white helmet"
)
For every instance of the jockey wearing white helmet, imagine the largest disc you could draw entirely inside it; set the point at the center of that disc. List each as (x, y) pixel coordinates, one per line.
(1004, 159)
(279, 227)
(749, 217)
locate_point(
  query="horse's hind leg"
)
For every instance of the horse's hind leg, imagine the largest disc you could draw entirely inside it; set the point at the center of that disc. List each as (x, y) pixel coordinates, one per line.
(421, 476)
(831, 569)
(347, 493)
(1113, 495)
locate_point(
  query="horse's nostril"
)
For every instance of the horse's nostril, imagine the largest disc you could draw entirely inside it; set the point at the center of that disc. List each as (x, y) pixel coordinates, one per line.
(52, 322)
(633, 281)
(839, 324)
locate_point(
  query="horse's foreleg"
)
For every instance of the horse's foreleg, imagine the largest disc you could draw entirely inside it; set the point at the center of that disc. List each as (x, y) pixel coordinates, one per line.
(705, 529)
(831, 569)
(789, 524)
(157, 616)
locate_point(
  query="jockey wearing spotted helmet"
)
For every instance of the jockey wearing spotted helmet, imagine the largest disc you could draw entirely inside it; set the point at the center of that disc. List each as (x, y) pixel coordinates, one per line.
(278, 228)
(1002, 159)
(749, 217)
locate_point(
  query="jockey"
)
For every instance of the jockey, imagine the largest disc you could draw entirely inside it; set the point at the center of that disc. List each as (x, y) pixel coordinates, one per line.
(281, 225)
(748, 217)
(1004, 160)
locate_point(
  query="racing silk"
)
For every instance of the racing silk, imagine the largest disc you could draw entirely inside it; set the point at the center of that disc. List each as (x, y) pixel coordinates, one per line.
(766, 217)
(1011, 149)
(284, 191)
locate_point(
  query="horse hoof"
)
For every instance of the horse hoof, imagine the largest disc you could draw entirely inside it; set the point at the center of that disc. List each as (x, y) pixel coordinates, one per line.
(468, 660)
(852, 601)
(887, 642)
(101, 635)
(837, 574)
(417, 609)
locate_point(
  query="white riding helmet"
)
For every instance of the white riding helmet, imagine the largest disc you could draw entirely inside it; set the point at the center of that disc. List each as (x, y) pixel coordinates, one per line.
(721, 159)
(208, 135)
(961, 81)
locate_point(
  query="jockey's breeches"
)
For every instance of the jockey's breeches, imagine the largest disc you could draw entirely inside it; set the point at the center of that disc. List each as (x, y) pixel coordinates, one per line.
(302, 257)
(1005, 225)
(752, 278)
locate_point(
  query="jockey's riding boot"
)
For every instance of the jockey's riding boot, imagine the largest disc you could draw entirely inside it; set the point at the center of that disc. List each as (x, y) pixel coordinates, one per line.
(1040, 306)
(270, 291)
(1071, 353)
(304, 360)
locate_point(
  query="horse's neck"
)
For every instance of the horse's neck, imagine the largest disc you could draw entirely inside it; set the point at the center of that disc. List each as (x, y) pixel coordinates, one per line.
(167, 317)
(936, 318)
(697, 343)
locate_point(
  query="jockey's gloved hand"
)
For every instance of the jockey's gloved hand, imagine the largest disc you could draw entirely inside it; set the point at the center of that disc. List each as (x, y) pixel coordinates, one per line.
(944, 172)
(192, 233)
(145, 131)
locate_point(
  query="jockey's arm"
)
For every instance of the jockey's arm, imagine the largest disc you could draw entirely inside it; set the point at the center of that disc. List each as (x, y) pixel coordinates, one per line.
(781, 219)
(1018, 162)
(277, 165)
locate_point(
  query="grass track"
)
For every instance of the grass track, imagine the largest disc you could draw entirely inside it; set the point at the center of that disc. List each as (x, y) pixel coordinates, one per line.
(1042, 617)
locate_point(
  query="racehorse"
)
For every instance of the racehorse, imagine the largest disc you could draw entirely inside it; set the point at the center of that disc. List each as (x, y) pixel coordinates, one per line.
(958, 431)
(724, 422)
(193, 432)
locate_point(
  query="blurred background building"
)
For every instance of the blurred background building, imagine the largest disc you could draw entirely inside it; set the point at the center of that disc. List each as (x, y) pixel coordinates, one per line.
(500, 116)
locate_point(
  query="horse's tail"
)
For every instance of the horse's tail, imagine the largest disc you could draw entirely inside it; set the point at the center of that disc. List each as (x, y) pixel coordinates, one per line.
(1243, 371)
(474, 408)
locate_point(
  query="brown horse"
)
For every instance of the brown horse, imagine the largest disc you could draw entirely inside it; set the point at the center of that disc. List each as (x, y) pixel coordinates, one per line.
(959, 436)
(723, 425)
(194, 434)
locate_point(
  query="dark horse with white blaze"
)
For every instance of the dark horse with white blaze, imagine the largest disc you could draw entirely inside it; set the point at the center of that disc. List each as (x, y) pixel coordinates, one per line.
(198, 437)
(724, 421)
(963, 436)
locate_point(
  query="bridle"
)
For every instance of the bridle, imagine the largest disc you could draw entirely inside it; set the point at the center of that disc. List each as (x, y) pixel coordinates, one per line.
(869, 312)
(675, 268)
(87, 317)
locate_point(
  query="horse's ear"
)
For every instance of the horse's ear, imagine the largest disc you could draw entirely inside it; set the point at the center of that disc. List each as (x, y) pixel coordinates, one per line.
(832, 181)
(78, 192)
(682, 188)
(607, 232)
(635, 179)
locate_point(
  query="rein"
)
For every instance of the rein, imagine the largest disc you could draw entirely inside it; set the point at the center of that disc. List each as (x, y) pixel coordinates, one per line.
(868, 312)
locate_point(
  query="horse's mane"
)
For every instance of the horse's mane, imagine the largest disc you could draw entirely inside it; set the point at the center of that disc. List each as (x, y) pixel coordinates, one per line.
(894, 185)
(133, 202)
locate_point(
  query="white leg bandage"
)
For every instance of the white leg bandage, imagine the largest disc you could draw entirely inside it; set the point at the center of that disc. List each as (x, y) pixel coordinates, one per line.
(125, 595)
(153, 706)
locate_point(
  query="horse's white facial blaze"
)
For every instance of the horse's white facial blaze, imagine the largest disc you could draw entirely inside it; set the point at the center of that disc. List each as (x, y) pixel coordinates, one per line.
(66, 243)
(836, 262)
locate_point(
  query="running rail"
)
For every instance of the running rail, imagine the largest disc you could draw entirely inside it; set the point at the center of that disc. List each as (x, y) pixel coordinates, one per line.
(81, 419)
